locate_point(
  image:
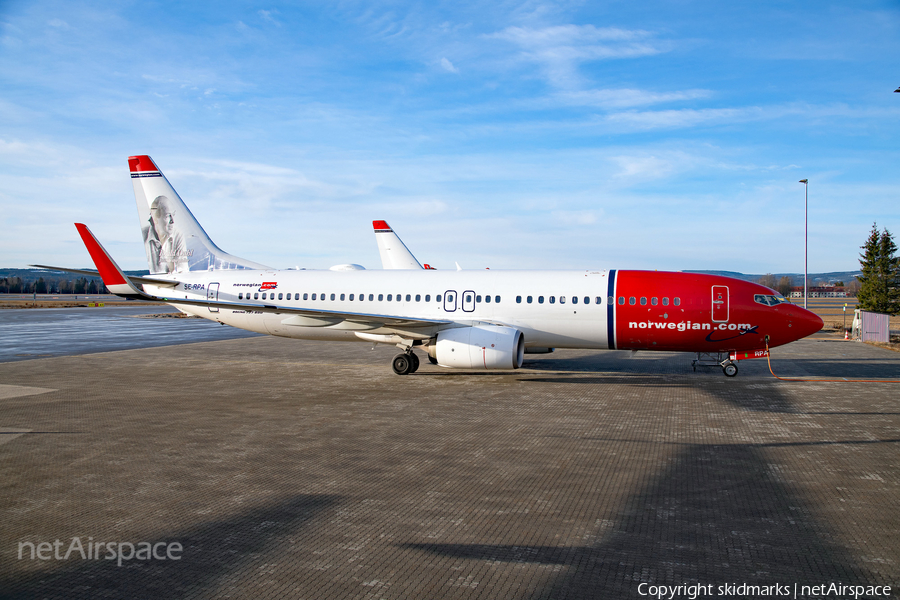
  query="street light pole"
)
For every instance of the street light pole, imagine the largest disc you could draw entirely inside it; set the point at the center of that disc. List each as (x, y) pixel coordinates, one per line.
(805, 183)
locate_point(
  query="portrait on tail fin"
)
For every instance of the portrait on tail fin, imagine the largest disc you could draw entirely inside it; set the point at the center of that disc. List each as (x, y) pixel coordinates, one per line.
(165, 245)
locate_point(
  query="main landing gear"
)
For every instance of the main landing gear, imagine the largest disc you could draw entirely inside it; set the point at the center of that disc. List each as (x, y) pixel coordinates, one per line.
(405, 363)
(718, 359)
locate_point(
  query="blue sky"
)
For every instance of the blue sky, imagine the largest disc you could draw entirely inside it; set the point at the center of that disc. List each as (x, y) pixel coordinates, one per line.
(660, 135)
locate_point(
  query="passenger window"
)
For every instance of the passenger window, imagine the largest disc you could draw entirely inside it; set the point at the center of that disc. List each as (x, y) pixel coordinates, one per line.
(574, 299)
(305, 295)
(342, 296)
(562, 299)
(468, 298)
(255, 295)
(643, 301)
(631, 300)
(654, 301)
(487, 299)
(332, 296)
(427, 297)
(351, 297)
(418, 298)
(518, 299)
(321, 296)
(665, 301)
(408, 298)
(477, 299)
(372, 297)
(677, 301)
(621, 300)
(390, 297)
(280, 296)
(528, 299)
(240, 295)
(540, 299)
(552, 299)
(437, 298)
(588, 300)
(496, 299)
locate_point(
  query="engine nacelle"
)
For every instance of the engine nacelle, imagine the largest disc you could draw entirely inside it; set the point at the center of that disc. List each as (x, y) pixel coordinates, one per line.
(481, 347)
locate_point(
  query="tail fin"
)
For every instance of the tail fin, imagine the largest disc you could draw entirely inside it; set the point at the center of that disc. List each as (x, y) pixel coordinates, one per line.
(174, 240)
(394, 253)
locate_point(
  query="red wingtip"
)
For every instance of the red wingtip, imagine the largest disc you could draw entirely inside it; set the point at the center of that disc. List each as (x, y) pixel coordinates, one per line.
(142, 163)
(380, 225)
(109, 273)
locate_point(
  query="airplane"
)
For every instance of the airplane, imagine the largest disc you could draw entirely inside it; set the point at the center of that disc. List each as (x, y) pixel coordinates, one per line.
(467, 319)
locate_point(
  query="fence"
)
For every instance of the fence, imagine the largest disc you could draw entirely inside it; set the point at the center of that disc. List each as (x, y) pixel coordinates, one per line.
(871, 327)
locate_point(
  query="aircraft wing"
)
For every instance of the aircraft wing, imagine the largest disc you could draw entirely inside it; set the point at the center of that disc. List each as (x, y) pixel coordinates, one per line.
(122, 285)
(133, 278)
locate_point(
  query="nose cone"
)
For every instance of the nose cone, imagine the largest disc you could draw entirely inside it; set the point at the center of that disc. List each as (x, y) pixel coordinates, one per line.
(804, 323)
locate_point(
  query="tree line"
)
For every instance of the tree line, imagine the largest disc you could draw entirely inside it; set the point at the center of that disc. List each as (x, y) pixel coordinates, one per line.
(52, 285)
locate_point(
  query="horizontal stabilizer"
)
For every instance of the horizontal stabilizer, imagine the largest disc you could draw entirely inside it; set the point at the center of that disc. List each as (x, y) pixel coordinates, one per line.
(132, 278)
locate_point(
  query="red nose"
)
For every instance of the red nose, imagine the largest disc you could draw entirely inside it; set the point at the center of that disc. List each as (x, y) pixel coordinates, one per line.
(805, 322)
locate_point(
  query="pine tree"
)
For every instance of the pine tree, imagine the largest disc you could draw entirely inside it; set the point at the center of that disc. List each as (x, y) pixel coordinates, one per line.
(880, 280)
(889, 266)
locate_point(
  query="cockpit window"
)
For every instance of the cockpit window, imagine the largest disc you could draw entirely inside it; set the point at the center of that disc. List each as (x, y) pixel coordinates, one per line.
(769, 300)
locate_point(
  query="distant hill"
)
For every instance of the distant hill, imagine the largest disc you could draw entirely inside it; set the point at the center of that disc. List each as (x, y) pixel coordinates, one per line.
(797, 278)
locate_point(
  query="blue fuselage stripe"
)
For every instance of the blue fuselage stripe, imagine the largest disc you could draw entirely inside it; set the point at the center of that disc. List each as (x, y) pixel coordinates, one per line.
(610, 308)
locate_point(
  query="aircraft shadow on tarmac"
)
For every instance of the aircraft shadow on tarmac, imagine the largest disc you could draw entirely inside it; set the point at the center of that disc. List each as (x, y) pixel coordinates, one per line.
(212, 551)
(715, 516)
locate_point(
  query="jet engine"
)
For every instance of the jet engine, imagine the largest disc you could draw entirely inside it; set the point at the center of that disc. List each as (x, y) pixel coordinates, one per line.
(480, 347)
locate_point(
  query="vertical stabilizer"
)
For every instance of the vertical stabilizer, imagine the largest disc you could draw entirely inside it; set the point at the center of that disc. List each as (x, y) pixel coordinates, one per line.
(394, 253)
(174, 240)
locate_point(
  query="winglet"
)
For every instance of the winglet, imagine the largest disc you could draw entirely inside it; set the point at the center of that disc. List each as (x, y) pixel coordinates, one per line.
(113, 277)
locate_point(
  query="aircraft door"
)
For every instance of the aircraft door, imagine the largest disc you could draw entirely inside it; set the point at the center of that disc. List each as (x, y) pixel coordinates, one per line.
(719, 303)
(212, 295)
(468, 301)
(450, 300)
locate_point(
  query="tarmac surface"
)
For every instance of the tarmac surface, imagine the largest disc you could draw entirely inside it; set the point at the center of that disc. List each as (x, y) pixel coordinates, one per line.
(290, 469)
(28, 333)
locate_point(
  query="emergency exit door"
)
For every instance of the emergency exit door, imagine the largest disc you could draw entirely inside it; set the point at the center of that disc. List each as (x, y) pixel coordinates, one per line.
(719, 303)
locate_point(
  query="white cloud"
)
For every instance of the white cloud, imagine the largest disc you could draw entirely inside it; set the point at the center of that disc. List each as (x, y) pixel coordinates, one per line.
(448, 66)
(622, 98)
(559, 49)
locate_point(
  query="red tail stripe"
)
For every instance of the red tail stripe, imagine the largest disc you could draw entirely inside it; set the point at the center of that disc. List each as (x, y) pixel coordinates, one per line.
(108, 270)
(380, 225)
(141, 163)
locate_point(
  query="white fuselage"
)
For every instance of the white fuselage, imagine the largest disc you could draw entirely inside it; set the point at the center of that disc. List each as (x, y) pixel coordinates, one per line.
(458, 296)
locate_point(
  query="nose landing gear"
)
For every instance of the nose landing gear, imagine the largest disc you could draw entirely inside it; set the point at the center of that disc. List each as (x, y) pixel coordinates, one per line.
(717, 359)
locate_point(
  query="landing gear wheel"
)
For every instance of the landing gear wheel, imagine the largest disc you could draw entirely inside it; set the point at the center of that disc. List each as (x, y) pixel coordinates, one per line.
(730, 370)
(401, 364)
(415, 362)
